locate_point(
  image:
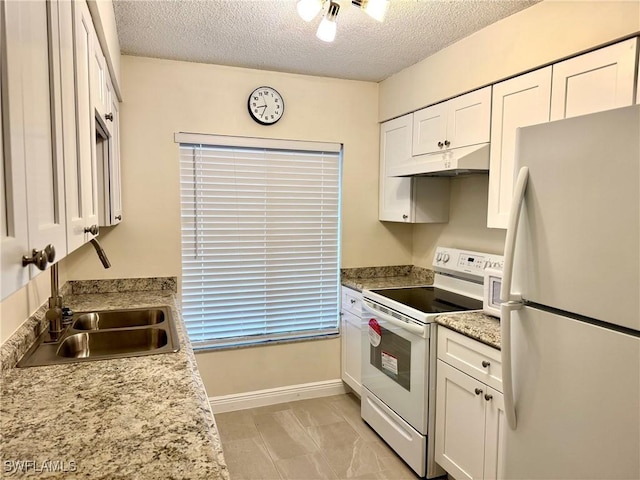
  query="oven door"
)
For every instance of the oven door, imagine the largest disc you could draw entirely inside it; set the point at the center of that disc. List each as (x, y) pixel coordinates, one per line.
(395, 357)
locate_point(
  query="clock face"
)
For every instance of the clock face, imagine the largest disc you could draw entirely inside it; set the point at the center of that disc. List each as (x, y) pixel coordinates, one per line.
(266, 105)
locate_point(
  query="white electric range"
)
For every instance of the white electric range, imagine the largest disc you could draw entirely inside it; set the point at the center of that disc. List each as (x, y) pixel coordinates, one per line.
(399, 352)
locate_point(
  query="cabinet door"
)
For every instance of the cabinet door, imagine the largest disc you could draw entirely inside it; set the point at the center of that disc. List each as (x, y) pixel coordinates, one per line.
(14, 240)
(85, 114)
(469, 119)
(600, 80)
(460, 423)
(395, 192)
(98, 77)
(430, 129)
(351, 351)
(72, 164)
(33, 124)
(518, 102)
(495, 421)
(115, 181)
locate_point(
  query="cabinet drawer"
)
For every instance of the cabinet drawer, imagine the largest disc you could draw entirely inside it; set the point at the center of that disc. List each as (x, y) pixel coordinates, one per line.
(472, 357)
(351, 301)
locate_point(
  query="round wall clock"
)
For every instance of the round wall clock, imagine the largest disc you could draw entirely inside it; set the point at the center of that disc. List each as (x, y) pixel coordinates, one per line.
(266, 105)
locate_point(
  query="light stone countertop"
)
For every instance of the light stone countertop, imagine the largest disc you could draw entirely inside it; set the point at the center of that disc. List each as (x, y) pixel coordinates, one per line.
(129, 418)
(476, 325)
(386, 277)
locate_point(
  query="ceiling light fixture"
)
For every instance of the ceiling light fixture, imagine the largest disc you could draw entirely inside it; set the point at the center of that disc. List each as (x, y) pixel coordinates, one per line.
(309, 9)
(327, 28)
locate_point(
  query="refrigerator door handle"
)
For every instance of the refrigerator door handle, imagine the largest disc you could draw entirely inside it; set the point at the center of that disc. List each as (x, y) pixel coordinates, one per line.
(512, 231)
(505, 350)
(513, 301)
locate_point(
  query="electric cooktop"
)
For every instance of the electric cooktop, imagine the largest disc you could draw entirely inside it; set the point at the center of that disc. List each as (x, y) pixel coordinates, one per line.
(430, 299)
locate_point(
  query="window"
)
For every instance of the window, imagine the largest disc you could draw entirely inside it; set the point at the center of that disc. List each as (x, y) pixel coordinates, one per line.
(260, 239)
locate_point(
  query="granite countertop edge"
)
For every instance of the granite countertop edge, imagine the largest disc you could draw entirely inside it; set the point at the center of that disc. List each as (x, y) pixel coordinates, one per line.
(138, 417)
(476, 325)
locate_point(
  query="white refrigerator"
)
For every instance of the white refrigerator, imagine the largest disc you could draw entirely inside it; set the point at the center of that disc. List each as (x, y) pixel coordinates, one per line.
(571, 293)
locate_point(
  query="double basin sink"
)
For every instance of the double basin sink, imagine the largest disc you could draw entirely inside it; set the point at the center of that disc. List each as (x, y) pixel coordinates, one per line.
(106, 335)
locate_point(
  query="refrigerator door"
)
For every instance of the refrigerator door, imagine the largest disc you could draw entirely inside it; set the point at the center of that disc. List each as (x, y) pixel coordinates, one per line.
(578, 245)
(577, 399)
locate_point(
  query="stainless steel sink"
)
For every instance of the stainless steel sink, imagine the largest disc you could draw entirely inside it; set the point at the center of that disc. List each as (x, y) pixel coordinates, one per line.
(119, 319)
(106, 335)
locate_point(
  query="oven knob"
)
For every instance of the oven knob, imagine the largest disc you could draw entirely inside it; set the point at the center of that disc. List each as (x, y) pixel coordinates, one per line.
(438, 257)
(445, 258)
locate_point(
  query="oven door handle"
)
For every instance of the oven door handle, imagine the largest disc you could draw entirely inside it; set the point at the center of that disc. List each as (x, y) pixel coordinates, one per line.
(420, 330)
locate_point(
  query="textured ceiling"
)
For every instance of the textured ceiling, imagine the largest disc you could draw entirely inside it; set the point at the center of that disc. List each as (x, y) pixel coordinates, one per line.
(269, 34)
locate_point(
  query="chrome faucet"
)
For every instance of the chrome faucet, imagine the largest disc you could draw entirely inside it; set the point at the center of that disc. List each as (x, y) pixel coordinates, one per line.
(101, 255)
(54, 314)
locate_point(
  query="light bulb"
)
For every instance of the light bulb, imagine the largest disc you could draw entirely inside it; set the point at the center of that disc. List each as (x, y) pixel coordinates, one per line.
(327, 28)
(376, 8)
(308, 9)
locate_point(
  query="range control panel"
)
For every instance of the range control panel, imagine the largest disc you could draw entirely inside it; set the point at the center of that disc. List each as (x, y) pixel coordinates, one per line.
(454, 261)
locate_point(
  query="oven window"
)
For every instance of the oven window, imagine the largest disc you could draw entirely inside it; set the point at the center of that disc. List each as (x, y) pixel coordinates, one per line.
(393, 357)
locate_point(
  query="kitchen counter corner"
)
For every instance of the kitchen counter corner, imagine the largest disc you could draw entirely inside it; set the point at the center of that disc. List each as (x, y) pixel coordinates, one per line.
(476, 325)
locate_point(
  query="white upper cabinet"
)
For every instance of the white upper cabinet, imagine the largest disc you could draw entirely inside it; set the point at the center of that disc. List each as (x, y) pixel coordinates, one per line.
(33, 157)
(395, 192)
(518, 102)
(459, 122)
(110, 180)
(596, 81)
(406, 199)
(430, 128)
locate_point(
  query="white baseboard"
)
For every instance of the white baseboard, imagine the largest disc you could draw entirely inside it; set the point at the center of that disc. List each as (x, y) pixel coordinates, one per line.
(272, 396)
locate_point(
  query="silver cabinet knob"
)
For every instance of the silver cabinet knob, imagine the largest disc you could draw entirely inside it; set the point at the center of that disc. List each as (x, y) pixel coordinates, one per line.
(404, 217)
(352, 301)
(38, 259)
(488, 396)
(440, 144)
(447, 143)
(50, 253)
(478, 391)
(109, 116)
(119, 217)
(93, 229)
(485, 364)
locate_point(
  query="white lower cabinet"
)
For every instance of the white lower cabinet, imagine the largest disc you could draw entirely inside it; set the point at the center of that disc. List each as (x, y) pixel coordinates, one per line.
(351, 339)
(470, 418)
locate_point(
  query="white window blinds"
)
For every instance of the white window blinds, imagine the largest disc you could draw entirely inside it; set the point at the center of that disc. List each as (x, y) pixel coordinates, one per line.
(260, 241)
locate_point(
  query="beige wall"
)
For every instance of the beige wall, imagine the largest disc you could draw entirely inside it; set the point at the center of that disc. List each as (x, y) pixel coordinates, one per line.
(541, 34)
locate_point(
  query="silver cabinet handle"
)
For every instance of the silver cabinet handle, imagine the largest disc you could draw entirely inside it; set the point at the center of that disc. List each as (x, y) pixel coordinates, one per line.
(109, 116)
(40, 258)
(478, 391)
(485, 364)
(440, 144)
(488, 396)
(93, 229)
(50, 253)
(447, 143)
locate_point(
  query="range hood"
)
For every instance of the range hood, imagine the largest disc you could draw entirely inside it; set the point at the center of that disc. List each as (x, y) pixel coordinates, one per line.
(449, 163)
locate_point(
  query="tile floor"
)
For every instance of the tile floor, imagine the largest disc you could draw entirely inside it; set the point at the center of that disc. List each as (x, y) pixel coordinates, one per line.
(321, 438)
